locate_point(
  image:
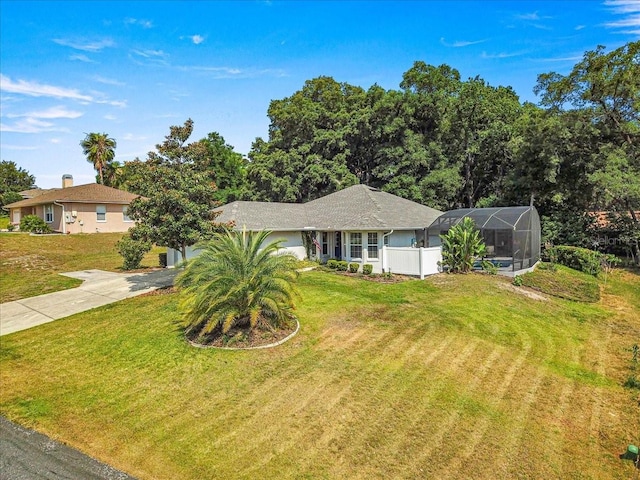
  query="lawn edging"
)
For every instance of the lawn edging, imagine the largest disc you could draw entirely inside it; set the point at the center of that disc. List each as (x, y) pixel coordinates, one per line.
(259, 347)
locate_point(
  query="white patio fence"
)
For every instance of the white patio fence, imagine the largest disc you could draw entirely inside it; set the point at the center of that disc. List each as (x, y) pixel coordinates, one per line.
(411, 261)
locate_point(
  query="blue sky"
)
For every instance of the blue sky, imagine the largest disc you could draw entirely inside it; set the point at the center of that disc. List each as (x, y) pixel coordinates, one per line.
(132, 69)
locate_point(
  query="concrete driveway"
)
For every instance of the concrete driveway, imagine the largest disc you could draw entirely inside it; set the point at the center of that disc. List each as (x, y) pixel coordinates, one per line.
(98, 288)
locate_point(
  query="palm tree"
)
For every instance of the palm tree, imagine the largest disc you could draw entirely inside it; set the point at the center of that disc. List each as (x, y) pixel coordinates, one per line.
(236, 281)
(100, 150)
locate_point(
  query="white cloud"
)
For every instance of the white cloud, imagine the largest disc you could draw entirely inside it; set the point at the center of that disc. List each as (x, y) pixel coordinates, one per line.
(461, 43)
(139, 22)
(150, 53)
(559, 59)
(34, 89)
(85, 45)
(580, 27)
(133, 138)
(623, 6)
(528, 16)
(197, 39)
(107, 81)
(110, 117)
(113, 103)
(30, 125)
(630, 10)
(501, 55)
(53, 112)
(81, 58)
(55, 140)
(18, 147)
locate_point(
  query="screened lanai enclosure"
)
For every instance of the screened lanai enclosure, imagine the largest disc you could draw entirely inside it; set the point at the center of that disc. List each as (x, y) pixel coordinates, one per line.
(511, 234)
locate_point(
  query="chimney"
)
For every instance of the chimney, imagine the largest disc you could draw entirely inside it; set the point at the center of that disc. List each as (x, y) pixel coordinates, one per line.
(67, 181)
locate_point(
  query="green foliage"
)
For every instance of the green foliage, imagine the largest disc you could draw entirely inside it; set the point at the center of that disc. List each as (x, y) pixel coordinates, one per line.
(9, 197)
(238, 280)
(353, 267)
(598, 104)
(13, 179)
(226, 168)
(99, 149)
(563, 282)
(332, 263)
(176, 208)
(582, 259)
(461, 246)
(517, 281)
(34, 224)
(132, 251)
(367, 269)
(342, 265)
(550, 266)
(489, 267)
(632, 380)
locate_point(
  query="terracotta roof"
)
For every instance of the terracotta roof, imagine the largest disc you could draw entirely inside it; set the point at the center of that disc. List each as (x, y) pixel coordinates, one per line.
(359, 207)
(602, 217)
(89, 193)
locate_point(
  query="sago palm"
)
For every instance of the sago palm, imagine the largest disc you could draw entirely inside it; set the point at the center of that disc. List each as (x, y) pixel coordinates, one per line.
(238, 280)
(100, 151)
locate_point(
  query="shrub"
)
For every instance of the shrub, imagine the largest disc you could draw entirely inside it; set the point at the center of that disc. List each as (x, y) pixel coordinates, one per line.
(332, 263)
(353, 267)
(552, 267)
(132, 251)
(342, 266)
(490, 267)
(238, 281)
(367, 269)
(34, 224)
(517, 281)
(578, 258)
(11, 227)
(461, 245)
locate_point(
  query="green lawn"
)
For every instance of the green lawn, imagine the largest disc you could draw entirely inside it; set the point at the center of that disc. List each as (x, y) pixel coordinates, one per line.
(31, 264)
(457, 376)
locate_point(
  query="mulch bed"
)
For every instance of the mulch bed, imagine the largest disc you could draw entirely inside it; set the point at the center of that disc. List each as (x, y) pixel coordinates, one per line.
(378, 278)
(241, 339)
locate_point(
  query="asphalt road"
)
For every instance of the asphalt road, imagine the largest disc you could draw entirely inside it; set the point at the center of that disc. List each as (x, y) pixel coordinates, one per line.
(29, 455)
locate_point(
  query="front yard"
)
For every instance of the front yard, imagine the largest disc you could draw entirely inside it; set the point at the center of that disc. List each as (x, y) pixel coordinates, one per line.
(451, 377)
(30, 265)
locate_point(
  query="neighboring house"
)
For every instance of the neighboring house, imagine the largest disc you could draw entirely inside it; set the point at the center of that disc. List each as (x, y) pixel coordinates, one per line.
(352, 224)
(87, 208)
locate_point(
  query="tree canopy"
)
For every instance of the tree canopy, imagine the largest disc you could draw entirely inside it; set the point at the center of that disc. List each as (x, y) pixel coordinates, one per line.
(100, 151)
(175, 209)
(448, 143)
(13, 179)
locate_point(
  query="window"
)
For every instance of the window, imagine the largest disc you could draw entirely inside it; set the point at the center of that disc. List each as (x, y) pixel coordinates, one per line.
(48, 213)
(325, 243)
(356, 245)
(372, 244)
(125, 214)
(101, 213)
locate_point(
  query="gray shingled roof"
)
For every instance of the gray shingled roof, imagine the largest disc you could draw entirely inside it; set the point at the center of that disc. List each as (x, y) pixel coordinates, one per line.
(355, 208)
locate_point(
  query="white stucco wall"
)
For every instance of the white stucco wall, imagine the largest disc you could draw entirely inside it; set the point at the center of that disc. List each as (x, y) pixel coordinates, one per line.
(292, 243)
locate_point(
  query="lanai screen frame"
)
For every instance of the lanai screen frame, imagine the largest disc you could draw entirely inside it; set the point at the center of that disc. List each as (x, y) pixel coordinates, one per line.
(520, 225)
